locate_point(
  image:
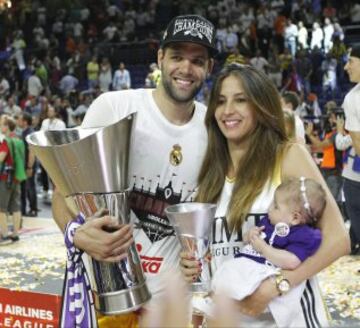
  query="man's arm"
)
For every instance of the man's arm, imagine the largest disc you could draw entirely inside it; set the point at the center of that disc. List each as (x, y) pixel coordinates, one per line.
(355, 136)
(61, 212)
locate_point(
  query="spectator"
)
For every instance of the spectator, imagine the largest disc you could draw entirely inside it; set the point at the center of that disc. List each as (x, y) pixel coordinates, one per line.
(121, 79)
(355, 13)
(4, 86)
(41, 72)
(279, 27)
(331, 164)
(11, 108)
(154, 76)
(28, 187)
(329, 11)
(19, 46)
(302, 36)
(35, 86)
(328, 67)
(317, 37)
(351, 171)
(105, 75)
(304, 71)
(68, 84)
(221, 33)
(9, 185)
(290, 36)
(274, 69)
(259, 62)
(328, 35)
(231, 40)
(338, 31)
(92, 69)
(51, 122)
(290, 103)
(110, 31)
(32, 106)
(65, 104)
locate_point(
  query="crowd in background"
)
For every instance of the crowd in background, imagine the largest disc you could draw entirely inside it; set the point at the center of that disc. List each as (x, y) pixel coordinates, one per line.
(56, 57)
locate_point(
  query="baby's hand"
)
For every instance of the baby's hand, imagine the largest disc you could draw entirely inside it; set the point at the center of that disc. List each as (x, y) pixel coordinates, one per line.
(255, 231)
(257, 242)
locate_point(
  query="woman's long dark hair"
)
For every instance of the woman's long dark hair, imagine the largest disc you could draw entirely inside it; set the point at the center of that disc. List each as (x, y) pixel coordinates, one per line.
(266, 142)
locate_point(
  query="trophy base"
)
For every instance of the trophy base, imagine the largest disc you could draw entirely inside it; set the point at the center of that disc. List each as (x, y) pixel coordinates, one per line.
(123, 301)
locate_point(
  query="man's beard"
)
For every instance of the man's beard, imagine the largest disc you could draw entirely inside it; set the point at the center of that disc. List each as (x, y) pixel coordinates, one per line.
(171, 92)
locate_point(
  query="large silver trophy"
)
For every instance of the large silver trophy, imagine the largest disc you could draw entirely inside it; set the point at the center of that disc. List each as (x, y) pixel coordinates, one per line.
(91, 167)
(192, 223)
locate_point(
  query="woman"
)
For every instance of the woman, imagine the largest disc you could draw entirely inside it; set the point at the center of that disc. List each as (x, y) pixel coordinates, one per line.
(249, 151)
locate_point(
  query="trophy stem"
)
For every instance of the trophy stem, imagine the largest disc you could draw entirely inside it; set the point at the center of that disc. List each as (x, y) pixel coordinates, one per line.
(118, 287)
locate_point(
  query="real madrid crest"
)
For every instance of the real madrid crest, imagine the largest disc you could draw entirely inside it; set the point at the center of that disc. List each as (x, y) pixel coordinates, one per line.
(176, 156)
(282, 229)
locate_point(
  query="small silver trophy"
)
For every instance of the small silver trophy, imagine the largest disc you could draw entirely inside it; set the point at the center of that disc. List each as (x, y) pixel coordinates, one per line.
(192, 223)
(91, 167)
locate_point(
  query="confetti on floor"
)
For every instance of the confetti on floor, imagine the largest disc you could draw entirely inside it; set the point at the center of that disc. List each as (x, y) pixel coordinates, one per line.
(32, 260)
(340, 284)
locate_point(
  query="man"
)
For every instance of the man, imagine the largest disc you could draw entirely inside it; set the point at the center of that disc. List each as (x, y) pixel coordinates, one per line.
(28, 187)
(290, 36)
(9, 185)
(168, 143)
(351, 172)
(259, 62)
(34, 85)
(12, 108)
(122, 79)
(290, 102)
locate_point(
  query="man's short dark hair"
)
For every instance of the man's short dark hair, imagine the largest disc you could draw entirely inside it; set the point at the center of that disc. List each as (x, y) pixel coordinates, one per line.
(291, 98)
(27, 118)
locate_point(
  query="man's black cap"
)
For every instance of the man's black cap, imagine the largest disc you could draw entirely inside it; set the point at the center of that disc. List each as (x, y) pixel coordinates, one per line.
(191, 28)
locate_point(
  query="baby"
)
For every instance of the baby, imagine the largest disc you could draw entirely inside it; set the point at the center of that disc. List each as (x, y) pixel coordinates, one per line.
(283, 239)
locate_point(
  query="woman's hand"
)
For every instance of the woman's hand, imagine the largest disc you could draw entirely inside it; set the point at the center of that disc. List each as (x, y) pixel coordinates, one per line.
(190, 267)
(256, 303)
(102, 245)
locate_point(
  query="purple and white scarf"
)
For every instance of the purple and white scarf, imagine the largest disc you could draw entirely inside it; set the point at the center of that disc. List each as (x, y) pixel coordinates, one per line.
(78, 308)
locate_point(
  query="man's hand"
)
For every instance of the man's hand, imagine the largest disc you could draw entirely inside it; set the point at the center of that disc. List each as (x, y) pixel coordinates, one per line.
(256, 303)
(93, 239)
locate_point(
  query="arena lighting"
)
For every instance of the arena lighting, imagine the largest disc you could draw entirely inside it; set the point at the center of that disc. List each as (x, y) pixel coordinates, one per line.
(5, 4)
